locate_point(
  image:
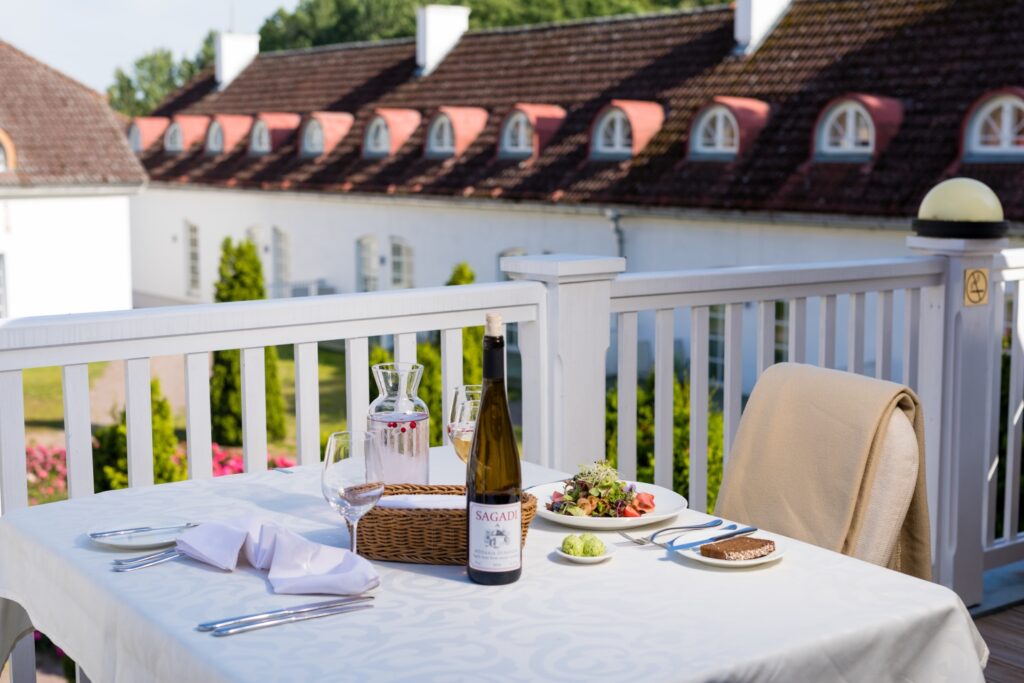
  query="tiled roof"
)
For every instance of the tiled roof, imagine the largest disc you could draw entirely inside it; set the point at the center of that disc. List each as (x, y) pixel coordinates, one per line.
(936, 57)
(63, 132)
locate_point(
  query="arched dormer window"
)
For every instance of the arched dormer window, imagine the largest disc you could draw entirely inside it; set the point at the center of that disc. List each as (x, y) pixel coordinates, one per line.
(613, 136)
(184, 132)
(174, 139)
(441, 138)
(377, 143)
(8, 160)
(996, 130)
(3, 159)
(846, 132)
(135, 138)
(215, 139)
(517, 136)
(145, 130)
(716, 134)
(259, 141)
(312, 139)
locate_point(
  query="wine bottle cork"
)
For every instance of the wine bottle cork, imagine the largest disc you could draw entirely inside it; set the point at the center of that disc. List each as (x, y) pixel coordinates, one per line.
(494, 325)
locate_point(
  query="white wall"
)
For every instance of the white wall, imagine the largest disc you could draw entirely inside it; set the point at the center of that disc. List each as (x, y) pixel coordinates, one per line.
(66, 254)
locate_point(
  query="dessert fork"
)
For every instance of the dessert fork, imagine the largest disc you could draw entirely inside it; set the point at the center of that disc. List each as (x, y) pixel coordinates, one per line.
(649, 539)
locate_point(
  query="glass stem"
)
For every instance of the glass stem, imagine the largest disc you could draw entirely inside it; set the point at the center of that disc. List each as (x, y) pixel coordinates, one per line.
(352, 545)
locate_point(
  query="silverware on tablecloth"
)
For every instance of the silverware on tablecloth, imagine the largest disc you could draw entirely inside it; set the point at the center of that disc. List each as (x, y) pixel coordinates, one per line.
(286, 611)
(649, 539)
(290, 619)
(696, 544)
(143, 558)
(140, 530)
(172, 555)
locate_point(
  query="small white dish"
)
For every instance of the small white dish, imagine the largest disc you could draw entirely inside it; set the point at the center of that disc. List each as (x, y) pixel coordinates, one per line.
(609, 550)
(773, 556)
(667, 504)
(142, 540)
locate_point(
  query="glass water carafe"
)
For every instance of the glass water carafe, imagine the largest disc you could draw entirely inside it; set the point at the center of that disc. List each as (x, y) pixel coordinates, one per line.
(402, 423)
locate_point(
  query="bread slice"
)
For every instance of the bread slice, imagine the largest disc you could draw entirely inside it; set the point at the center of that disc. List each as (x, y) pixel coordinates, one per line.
(742, 548)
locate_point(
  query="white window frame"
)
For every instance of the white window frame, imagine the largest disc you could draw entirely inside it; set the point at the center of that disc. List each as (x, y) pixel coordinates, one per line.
(621, 134)
(377, 141)
(367, 264)
(717, 120)
(193, 275)
(401, 264)
(1007, 146)
(259, 140)
(441, 137)
(3, 287)
(215, 139)
(174, 139)
(134, 139)
(850, 111)
(312, 139)
(517, 136)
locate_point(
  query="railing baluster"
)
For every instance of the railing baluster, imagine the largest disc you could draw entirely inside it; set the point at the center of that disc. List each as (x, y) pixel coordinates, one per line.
(732, 400)
(765, 335)
(13, 479)
(139, 409)
(990, 507)
(451, 372)
(797, 343)
(405, 348)
(198, 430)
(1015, 408)
(699, 330)
(911, 335)
(827, 331)
(855, 335)
(307, 403)
(627, 379)
(664, 385)
(883, 336)
(254, 410)
(78, 430)
(357, 382)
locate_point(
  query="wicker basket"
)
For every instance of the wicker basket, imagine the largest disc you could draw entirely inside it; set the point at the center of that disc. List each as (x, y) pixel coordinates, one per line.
(422, 536)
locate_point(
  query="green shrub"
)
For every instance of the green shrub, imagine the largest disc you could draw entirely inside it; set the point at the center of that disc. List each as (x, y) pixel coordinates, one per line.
(110, 455)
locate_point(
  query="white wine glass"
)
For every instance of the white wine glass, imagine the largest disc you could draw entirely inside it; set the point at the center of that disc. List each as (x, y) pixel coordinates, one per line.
(462, 427)
(348, 482)
(463, 393)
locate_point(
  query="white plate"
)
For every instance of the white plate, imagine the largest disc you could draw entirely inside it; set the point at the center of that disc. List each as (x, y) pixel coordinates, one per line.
(608, 551)
(667, 504)
(775, 556)
(143, 540)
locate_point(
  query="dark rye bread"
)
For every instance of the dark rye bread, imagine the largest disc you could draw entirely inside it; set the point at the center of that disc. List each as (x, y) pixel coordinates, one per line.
(744, 548)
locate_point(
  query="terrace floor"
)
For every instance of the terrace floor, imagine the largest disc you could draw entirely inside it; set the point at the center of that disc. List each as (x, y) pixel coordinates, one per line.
(1004, 633)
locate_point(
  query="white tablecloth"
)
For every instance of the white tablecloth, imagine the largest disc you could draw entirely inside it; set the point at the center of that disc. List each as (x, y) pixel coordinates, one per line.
(644, 615)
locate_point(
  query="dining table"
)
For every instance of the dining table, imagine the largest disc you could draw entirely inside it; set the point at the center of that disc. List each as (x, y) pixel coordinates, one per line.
(645, 614)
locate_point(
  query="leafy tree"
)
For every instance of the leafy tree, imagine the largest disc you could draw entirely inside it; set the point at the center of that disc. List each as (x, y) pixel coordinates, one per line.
(472, 337)
(241, 279)
(680, 436)
(110, 455)
(153, 77)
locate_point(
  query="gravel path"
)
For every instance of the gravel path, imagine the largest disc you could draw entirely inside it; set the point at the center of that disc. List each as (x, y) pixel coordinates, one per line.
(107, 393)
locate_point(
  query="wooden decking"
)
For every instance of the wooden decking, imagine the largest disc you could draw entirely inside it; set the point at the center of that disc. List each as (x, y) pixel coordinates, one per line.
(1004, 633)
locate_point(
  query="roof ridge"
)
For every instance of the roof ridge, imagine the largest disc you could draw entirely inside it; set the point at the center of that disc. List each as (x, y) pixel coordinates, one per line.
(337, 46)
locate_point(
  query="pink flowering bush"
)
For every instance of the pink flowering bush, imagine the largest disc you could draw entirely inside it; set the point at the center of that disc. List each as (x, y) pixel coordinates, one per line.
(47, 472)
(229, 461)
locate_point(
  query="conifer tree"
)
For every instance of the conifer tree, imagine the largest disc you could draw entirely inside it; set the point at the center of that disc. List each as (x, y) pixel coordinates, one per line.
(472, 337)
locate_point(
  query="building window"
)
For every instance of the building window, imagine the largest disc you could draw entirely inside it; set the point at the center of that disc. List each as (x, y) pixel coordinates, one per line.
(259, 143)
(313, 139)
(3, 159)
(401, 264)
(192, 244)
(3, 287)
(367, 264)
(514, 251)
(282, 255)
(134, 139)
(613, 136)
(517, 137)
(377, 143)
(174, 141)
(215, 139)
(846, 130)
(716, 133)
(441, 138)
(998, 127)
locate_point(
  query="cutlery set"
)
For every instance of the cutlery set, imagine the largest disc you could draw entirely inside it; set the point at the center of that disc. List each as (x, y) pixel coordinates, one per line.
(672, 545)
(288, 615)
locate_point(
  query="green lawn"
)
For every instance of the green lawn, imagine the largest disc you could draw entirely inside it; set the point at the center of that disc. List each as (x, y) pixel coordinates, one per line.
(44, 395)
(332, 392)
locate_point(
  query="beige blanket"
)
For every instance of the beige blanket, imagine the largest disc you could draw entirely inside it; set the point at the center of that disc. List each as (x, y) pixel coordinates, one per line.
(805, 455)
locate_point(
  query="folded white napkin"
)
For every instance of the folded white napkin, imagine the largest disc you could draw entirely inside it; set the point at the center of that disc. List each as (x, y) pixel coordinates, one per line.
(421, 502)
(296, 565)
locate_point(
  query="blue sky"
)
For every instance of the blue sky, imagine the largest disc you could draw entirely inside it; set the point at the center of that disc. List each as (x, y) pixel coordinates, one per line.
(88, 39)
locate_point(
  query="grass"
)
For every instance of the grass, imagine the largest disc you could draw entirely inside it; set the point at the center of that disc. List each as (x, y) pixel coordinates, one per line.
(44, 395)
(331, 373)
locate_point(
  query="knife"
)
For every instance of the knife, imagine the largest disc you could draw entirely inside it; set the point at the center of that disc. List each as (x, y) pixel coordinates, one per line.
(289, 619)
(287, 611)
(721, 537)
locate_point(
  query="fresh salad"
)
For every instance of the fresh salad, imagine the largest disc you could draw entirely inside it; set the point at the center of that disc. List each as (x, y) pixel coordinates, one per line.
(597, 491)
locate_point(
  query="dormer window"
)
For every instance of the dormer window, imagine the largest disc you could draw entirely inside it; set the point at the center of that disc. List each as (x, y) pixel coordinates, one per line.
(441, 138)
(215, 139)
(613, 136)
(846, 131)
(996, 130)
(7, 156)
(313, 139)
(377, 143)
(322, 132)
(135, 138)
(716, 134)
(145, 130)
(174, 139)
(517, 136)
(259, 142)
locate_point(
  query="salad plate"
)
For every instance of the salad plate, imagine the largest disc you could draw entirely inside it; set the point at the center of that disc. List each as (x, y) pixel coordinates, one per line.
(667, 504)
(160, 537)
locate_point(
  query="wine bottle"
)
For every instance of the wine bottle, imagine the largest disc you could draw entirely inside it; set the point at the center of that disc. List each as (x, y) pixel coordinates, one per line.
(494, 484)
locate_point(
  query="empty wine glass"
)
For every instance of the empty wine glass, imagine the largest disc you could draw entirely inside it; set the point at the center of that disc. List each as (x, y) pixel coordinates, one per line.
(348, 482)
(462, 427)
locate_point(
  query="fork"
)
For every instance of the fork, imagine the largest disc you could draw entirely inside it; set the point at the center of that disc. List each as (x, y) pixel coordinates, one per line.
(649, 539)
